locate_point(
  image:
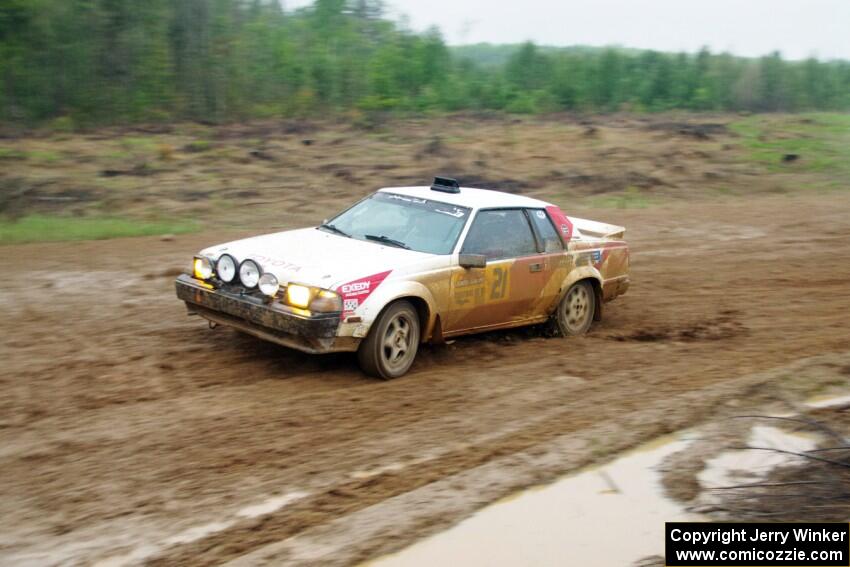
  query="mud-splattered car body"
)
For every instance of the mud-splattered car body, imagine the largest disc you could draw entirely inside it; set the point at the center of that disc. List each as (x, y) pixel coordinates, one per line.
(495, 260)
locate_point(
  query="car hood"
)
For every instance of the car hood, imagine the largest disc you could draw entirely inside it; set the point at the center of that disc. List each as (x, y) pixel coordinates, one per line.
(315, 257)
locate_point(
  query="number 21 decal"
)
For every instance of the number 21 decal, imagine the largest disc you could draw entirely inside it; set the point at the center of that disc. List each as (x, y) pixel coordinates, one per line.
(500, 283)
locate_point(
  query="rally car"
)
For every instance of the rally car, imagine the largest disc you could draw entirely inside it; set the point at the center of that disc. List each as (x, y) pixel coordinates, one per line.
(408, 265)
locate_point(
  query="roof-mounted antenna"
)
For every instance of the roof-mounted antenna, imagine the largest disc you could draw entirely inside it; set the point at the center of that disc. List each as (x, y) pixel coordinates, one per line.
(445, 185)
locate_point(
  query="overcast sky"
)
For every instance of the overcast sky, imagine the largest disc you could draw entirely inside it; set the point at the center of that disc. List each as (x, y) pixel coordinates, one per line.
(798, 28)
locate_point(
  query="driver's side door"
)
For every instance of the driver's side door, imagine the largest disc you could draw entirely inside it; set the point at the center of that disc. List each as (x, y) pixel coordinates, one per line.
(503, 292)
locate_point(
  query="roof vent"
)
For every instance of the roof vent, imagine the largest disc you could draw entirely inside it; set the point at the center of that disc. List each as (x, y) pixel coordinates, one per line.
(445, 185)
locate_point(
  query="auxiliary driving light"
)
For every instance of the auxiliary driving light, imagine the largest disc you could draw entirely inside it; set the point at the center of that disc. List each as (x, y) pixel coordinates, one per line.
(202, 268)
(249, 273)
(269, 285)
(226, 268)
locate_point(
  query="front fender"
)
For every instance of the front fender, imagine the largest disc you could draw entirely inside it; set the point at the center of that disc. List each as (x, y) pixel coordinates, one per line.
(393, 290)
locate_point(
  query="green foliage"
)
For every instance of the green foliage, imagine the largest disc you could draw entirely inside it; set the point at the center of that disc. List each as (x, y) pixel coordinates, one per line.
(631, 198)
(198, 146)
(62, 124)
(36, 228)
(70, 64)
(12, 154)
(820, 142)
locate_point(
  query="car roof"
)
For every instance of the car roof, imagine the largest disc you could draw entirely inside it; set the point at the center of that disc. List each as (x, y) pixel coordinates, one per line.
(469, 197)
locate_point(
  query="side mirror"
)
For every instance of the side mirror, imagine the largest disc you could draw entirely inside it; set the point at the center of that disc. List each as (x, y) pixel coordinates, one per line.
(472, 261)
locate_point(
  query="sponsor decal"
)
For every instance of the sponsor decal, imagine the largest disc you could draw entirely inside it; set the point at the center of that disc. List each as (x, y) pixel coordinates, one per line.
(587, 255)
(267, 261)
(357, 288)
(406, 199)
(561, 221)
(541, 215)
(354, 293)
(493, 287)
(456, 213)
(465, 281)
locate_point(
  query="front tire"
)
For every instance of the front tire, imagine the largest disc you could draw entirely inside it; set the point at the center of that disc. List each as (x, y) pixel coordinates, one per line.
(576, 310)
(390, 348)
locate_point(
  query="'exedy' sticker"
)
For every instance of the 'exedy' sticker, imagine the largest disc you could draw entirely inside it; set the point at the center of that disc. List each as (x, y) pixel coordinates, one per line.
(354, 293)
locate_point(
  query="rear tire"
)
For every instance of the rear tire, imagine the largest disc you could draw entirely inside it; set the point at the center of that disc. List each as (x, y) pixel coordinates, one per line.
(390, 348)
(576, 310)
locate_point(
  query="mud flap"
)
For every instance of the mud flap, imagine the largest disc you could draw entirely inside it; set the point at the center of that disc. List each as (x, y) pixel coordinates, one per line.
(597, 315)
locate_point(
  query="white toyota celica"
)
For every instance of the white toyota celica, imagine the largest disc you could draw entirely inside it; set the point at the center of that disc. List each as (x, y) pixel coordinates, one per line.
(408, 265)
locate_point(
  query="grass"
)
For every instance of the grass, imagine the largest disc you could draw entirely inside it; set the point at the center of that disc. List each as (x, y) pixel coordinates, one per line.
(821, 140)
(38, 228)
(45, 156)
(631, 198)
(139, 145)
(11, 153)
(199, 146)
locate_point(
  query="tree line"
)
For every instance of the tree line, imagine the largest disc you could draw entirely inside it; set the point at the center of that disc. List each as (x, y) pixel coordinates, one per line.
(87, 62)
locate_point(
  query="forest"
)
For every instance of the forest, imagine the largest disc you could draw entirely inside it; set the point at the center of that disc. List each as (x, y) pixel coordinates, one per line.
(70, 64)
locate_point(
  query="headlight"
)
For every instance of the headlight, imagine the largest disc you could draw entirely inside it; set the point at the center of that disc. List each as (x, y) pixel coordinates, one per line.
(202, 268)
(269, 285)
(226, 268)
(298, 295)
(313, 298)
(249, 273)
(326, 301)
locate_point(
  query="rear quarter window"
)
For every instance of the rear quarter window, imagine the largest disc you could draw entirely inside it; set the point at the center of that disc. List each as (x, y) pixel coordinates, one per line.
(546, 230)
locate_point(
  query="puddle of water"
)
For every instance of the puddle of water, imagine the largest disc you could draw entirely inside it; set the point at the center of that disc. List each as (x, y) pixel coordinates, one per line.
(820, 402)
(565, 523)
(570, 521)
(747, 466)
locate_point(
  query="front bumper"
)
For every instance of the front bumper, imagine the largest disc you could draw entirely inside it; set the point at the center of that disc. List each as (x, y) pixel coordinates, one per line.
(271, 321)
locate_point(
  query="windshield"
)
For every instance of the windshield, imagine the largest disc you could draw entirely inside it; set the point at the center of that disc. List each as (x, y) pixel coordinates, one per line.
(402, 221)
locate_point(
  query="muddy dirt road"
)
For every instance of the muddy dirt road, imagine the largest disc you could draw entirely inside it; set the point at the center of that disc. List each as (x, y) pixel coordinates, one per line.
(130, 432)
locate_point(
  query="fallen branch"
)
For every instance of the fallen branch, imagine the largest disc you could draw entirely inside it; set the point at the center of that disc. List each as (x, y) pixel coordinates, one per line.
(766, 484)
(796, 454)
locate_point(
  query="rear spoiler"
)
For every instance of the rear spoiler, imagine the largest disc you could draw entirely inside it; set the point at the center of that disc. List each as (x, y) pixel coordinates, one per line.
(598, 229)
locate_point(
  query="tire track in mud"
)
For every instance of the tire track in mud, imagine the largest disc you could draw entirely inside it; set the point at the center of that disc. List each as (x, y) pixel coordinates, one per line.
(451, 457)
(537, 455)
(136, 422)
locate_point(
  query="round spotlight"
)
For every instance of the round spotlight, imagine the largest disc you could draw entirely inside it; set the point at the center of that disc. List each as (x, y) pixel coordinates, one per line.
(249, 273)
(269, 285)
(202, 268)
(226, 268)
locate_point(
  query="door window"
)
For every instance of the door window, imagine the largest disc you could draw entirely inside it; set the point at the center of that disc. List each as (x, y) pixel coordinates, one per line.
(498, 234)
